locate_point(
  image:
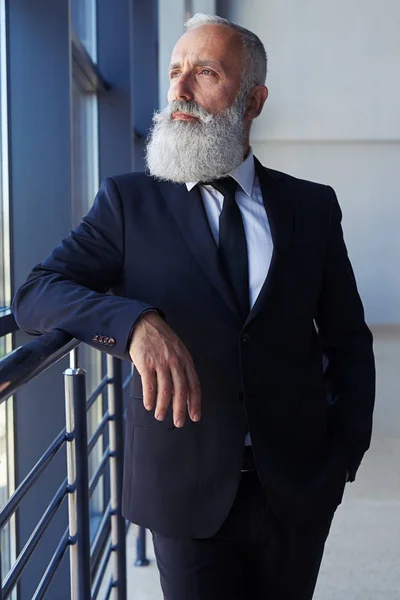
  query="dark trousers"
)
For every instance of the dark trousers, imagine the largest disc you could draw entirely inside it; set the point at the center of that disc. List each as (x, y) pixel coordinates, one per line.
(254, 556)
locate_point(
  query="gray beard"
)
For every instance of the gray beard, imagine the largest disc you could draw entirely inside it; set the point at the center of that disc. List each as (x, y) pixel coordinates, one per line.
(184, 151)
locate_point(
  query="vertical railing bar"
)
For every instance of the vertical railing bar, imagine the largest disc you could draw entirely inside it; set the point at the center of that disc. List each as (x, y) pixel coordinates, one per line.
(74, 358)
(78, 480)
(116, 429)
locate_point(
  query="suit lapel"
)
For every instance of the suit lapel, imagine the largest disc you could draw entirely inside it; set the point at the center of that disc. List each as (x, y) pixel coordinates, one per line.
(279, 210)
(189, 213)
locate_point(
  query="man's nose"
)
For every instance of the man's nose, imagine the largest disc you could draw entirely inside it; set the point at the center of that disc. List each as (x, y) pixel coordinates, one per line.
(183, 88)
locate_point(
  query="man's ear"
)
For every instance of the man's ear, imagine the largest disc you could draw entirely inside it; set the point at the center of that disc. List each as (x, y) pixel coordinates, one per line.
(255, 101)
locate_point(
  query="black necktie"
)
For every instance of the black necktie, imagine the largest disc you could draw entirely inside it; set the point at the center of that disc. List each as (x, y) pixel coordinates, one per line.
(232, 243)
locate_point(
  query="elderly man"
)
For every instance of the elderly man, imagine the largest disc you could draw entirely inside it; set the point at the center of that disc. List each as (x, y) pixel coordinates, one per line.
(233, 296)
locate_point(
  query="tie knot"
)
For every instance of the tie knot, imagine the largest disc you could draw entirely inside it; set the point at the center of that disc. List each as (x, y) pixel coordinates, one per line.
(226, 186)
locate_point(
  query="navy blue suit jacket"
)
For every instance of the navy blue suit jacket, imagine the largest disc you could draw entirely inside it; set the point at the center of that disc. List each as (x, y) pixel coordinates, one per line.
(148, 244)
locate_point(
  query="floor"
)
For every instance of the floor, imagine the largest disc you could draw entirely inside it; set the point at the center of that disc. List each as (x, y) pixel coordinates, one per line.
(362, 557)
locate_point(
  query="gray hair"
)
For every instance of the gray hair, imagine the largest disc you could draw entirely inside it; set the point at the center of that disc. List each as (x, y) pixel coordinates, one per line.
(255, 57)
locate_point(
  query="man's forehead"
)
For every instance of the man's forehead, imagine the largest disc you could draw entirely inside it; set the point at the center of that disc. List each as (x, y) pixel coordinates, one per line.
(218, 44)
(178, 58)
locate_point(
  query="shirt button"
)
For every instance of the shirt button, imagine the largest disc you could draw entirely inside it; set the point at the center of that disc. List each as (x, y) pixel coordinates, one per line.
(246, 338)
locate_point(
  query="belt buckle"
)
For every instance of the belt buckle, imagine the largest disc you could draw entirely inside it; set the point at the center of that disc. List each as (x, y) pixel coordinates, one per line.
(248, 464)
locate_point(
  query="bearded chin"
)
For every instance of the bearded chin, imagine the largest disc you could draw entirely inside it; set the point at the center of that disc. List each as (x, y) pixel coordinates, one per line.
(186, 151)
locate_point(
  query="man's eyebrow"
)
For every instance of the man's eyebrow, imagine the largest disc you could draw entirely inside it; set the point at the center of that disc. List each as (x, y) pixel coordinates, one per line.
(205, 62)
(208, 62)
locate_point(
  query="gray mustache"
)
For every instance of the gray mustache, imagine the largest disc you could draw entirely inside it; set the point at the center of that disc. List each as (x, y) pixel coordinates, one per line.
(190, 107)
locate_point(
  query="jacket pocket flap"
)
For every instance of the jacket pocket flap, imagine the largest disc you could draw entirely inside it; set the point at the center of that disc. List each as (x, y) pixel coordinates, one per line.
(138, 415)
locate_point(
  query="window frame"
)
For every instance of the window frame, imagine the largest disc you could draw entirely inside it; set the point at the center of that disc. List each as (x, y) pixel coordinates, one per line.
(4, 162)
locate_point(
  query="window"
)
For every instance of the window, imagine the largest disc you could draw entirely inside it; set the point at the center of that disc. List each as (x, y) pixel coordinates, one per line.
(84, 187)
(5, 292)
(84, 108)
(83, 19)
(7, 481)
(85, 149)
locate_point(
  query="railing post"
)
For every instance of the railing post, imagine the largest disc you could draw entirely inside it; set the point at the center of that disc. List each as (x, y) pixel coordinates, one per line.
(1, 578)
(78, 481)
(118, 530)
(141, 559)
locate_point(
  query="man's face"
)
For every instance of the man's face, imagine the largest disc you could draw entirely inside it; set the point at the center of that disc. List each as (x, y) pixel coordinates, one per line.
(206, 66)
(203, 132)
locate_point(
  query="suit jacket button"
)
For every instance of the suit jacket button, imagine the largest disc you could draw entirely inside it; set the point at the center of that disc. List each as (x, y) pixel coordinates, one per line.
(95, 338)
(111, 342)
(105, 340)
(246, 338)
(100, 339)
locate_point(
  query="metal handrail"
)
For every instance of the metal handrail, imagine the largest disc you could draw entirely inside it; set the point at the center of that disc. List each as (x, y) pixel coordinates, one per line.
(52, 567)
(15, 500)
(99, 472)
(7, 322)
(16, 369)
(109, 590)
(99, 579)
(96, 393)
(101, 538)
(27, 362)
(15, 573)
(99, 431)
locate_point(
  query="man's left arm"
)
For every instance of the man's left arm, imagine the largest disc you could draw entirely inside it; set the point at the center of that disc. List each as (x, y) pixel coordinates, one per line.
(347, 344)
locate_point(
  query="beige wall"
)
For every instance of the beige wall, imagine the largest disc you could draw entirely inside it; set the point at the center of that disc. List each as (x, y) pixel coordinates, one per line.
(333, 116)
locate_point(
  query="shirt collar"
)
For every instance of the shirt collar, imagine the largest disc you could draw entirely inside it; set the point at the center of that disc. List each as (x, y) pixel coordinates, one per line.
(243, 174)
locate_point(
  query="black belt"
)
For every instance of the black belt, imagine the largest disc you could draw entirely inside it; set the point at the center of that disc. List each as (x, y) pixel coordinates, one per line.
(248, 463)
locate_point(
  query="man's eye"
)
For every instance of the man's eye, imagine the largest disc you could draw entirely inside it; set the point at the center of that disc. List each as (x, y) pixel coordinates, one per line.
(206, 72)
(173, 74)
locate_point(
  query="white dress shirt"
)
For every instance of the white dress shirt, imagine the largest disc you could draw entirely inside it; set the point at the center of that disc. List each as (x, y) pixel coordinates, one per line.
(255, 221)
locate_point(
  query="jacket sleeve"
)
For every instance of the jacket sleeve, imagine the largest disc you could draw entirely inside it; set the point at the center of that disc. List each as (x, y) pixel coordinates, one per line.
(347, 344)
(70, 289)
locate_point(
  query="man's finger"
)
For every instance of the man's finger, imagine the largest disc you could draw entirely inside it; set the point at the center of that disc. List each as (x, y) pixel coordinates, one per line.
(180, 395)
(149, 386)
(194, 396)
(164, 393)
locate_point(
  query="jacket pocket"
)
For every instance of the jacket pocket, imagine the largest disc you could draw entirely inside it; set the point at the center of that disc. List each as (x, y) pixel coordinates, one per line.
(138, 415)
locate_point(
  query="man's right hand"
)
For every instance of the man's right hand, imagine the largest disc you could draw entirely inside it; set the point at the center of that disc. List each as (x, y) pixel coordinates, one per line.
(166, 369)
